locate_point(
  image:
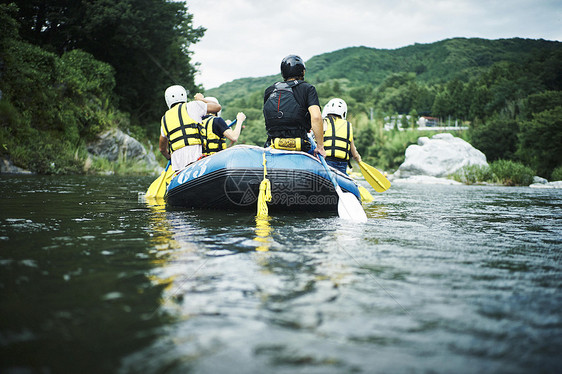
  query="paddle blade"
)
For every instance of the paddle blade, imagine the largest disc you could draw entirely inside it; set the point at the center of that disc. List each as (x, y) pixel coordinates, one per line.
(374, 177)
(349, 207)
(158, 188)
(366, 196)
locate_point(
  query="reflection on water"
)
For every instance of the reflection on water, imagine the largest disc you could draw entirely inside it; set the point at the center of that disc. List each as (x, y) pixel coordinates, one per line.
(263, 233)
(440, 279)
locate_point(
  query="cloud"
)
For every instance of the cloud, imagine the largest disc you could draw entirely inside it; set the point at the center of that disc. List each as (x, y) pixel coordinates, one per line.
(247, 38)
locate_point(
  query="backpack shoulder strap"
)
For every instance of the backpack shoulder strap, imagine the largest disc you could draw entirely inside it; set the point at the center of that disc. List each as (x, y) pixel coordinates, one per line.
(292, 84)
(286, 85)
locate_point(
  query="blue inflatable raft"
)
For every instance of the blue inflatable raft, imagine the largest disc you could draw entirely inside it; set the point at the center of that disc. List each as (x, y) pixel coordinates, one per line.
(230, 180)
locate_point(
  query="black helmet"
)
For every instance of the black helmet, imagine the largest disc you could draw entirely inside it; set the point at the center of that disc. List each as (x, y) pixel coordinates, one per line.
(292, 66)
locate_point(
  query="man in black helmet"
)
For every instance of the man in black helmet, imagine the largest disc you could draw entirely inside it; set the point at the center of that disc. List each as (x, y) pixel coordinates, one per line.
(292, 109)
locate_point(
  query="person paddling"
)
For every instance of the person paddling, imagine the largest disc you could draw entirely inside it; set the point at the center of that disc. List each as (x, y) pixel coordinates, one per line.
(180, 140)
(215, 131)
(338, 135)
(291, 109)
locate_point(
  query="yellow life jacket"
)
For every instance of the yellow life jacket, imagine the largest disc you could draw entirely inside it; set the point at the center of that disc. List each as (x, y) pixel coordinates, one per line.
(211, 142)
(180, 128)
(337, 138)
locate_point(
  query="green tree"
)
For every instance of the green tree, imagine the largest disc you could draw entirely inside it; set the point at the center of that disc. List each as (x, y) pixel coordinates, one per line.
(442, 104)
(540, 102)
(397, 93)
(146, 41)
(497, 138)
(452, 100)
(413, 118)
(541, 141)
(424, 99)
(49, 104)
(364, 138)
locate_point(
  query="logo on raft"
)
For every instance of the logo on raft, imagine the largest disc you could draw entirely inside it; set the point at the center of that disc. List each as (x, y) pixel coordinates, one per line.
(242, 189)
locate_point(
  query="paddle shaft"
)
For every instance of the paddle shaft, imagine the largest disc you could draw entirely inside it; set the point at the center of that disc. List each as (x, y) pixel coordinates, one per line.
(348, 205)
(164, 174)
(330, 174)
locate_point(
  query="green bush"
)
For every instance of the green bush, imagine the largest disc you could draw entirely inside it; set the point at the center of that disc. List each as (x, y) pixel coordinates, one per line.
(511, 173)
(51, 105)
(81, 74)
(100, 165)
(557, 174)
(471, 174)
(48, 155)
(506, 172)
(28, 77)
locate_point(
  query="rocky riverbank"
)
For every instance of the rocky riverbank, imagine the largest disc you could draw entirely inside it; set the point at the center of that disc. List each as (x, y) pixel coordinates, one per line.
(8, 167)
(116, 146)
(110, 148)
(434, 160)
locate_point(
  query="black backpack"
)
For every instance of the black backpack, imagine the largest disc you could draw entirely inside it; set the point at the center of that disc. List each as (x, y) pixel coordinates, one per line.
(281, 110)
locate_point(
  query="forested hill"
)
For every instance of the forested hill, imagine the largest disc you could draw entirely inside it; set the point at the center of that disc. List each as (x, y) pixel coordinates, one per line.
(433, 63)
(508, 92)
(439, 62)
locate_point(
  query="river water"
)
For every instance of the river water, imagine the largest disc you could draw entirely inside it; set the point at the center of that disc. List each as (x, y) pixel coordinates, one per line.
(441, 279)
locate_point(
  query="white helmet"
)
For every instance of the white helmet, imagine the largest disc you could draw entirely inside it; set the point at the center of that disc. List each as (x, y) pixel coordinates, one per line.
(335, 106)
(175, 94)
(214, 100)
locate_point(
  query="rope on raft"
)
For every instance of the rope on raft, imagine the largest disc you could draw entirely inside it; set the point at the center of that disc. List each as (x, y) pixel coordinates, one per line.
(265, 192)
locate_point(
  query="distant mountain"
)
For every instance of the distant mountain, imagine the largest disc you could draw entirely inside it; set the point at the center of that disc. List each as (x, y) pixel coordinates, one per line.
(437, 62)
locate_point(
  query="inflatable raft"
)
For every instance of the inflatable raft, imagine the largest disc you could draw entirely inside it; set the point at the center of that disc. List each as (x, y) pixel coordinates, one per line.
(230, 180)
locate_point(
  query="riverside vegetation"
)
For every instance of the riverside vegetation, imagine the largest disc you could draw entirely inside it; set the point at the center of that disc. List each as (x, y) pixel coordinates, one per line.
(60, 87)
(505, 172)
(70, 70)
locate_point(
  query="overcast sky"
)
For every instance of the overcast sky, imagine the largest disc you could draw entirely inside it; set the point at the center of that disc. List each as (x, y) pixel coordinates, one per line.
(249, 38)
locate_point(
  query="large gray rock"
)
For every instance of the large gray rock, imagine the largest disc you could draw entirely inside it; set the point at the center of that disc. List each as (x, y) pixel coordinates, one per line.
(7, 167)
(115, 145)
(555, 184)
(440, 156)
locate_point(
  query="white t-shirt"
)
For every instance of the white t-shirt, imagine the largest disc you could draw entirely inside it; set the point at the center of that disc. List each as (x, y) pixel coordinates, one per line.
(185, 156)
(188, 154)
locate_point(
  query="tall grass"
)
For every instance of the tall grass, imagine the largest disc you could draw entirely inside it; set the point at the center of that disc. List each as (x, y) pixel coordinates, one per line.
(506, 172)
(511, 173)
(472, 174)
(100, 165)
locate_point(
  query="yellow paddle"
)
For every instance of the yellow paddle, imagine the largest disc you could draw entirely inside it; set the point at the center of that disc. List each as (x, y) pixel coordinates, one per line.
(158, 188)
(374, 177)
(366, 196)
